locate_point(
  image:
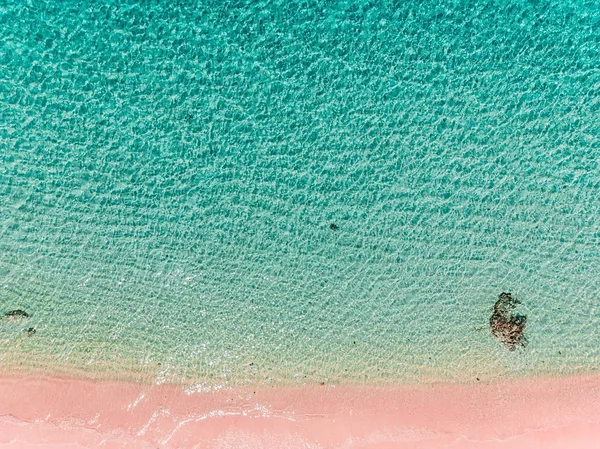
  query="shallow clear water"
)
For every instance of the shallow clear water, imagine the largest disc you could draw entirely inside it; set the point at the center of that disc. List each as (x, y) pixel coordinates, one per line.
(169, 174)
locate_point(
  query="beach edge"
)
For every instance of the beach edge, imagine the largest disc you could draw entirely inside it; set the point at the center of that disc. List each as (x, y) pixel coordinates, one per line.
(538, 412)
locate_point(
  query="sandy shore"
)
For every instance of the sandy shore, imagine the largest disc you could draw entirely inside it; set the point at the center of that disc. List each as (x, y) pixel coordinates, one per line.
(531, 413)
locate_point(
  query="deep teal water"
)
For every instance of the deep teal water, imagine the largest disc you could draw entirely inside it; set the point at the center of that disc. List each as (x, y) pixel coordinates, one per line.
(169, 172)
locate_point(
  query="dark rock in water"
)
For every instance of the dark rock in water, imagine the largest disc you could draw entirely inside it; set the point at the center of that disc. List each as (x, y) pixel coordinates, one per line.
(333, 227)
(507, 326)
(31, 332)
(16, 314)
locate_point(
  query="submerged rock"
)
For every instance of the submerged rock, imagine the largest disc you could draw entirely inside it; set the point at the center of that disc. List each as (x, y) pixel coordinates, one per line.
(18, 313)
(31, 332)
(507, 326)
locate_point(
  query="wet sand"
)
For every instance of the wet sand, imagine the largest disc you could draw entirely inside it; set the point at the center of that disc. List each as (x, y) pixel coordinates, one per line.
(525, 413)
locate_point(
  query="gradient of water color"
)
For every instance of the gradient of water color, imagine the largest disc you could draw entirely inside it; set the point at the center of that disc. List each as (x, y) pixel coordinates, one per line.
(169, 174)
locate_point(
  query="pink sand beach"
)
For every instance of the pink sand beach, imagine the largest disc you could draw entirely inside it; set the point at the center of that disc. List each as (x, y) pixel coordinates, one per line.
(528, 413)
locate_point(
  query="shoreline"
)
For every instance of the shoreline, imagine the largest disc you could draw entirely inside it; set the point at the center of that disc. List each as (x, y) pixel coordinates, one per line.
(519, 413)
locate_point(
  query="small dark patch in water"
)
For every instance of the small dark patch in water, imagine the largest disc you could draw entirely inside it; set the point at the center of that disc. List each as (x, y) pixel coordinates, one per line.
(18, 313)
(333, 227)
(506, 326)
(31, 332)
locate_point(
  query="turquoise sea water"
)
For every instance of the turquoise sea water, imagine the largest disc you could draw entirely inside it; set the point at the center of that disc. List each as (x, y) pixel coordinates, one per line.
(170, 171)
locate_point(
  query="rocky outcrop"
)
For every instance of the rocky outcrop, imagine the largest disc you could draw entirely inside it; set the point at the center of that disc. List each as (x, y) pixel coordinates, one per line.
(507, 326)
